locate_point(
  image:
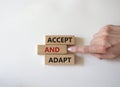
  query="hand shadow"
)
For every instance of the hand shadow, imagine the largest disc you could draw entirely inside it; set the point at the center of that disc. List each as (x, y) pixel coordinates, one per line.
(114, 60)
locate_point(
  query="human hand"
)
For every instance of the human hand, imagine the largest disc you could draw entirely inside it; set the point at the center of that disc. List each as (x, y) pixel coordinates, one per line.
(104, 45)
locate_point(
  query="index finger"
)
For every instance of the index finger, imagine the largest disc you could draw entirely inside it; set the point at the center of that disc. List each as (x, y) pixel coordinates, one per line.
(87, 49)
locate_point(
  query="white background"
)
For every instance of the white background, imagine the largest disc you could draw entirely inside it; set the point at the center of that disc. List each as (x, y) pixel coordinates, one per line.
(23, 25)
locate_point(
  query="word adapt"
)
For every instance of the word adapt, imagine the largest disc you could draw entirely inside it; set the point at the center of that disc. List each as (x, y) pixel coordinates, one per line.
(59, 59)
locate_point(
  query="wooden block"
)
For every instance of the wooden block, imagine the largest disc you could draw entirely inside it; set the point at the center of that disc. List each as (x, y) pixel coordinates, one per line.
(52, 49)
(60, 39)
(60, 59)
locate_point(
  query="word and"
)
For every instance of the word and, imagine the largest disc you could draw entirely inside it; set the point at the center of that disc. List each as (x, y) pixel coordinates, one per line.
(52, 49)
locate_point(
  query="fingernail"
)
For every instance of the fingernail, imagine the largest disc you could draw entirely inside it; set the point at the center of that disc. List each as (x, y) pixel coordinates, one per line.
(72, 49)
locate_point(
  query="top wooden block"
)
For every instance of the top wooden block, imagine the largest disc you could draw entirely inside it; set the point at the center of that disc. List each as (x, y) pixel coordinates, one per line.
(60, 39)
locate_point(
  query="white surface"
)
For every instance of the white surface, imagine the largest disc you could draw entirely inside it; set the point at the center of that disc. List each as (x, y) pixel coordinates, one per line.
(23, 24)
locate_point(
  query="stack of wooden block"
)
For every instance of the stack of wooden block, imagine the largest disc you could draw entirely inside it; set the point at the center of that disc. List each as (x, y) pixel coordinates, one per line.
(55, 49)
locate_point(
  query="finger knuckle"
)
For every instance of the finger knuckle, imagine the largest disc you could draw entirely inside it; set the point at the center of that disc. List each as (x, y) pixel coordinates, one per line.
(105, 37)
(105, 42)
(103, 49)
(107, 28)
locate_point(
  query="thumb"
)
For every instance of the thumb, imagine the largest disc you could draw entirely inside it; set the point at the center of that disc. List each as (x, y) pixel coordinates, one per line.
(88, 49)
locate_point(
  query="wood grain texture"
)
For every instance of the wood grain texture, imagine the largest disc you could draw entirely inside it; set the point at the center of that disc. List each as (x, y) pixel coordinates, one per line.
(68, 59)
(51, 49)
(60, 39)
